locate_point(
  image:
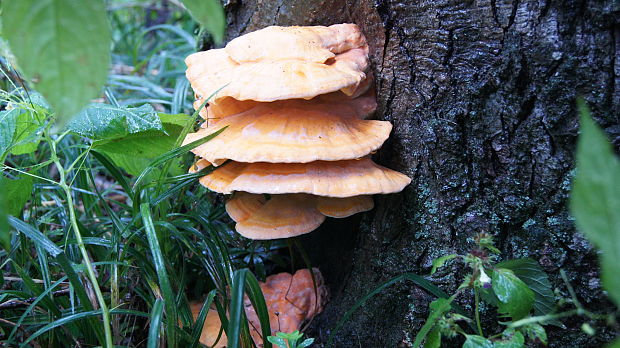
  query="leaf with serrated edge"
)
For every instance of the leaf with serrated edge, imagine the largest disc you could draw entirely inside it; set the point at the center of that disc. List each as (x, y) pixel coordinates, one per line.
(63, 45)
(536, 279)
(106, 122)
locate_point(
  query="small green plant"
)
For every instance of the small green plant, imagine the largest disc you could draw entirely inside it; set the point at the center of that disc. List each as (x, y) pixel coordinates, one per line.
(514, 287)
(290, 340)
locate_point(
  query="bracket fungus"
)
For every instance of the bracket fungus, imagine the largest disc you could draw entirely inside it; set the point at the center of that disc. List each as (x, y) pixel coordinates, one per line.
(295, 103)
(291, 300)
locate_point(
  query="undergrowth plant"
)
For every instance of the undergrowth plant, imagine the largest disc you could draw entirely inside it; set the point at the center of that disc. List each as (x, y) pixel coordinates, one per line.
(105, 238)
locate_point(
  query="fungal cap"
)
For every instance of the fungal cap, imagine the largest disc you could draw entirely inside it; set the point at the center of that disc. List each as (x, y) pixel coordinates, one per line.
(297, 131)
(243, 205)
(344, 207)
(322, 178)
(268, 81)
(282, 216)
(314, 43)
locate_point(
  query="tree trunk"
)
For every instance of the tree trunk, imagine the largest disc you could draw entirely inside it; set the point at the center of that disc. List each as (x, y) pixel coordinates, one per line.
(481, 94)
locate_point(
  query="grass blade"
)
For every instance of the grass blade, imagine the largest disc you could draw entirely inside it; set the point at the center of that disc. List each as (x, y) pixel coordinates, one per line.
(160, 268)
(156, 316)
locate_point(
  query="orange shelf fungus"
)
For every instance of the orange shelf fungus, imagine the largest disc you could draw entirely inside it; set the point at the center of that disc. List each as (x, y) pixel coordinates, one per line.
(295, 103)
(291, 300)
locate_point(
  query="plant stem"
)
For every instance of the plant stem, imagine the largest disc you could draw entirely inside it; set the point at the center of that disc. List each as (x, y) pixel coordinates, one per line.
(105, 312)
(477, 313)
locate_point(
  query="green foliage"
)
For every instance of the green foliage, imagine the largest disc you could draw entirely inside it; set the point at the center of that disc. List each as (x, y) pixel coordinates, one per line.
(28, 126)
(530, 272)
(515, 297)
(210, 15)
(18, 191)
(595, 198)
(290, 340)
(63, 46)
(101, 122)
(8, 120)
(99, 257)
(440, 261)
(474, 341)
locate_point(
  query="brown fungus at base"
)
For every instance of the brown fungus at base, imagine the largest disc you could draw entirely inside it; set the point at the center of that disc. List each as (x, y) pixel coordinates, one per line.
(291, 301)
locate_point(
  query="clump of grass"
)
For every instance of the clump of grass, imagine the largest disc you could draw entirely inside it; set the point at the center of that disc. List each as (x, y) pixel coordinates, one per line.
(98, 257)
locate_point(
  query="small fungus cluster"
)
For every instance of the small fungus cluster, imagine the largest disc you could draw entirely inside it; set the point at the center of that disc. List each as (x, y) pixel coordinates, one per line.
(295, 101)
(291, 300)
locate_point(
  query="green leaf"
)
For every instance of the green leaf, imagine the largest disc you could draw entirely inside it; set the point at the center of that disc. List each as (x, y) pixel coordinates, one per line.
(135, 152)
(510, 339)
(280, 342)
(515, 298)
(474, 341)
(535, 332)
(63, 45)
(306, 343)
(28, 131)
(438, 309)
(433, 339)
(106, 122)
(440, 261)
(8, 120)
(15, 193)
(595, 198)
(536, 279)
(210, 15)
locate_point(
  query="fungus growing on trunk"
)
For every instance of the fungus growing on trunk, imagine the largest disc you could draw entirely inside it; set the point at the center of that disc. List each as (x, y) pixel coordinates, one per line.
(295, 102)
(291, 300)
(288, 215)
(292, 131)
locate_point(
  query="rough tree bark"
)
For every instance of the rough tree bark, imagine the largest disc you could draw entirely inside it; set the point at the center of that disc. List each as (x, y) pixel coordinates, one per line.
(481, 94)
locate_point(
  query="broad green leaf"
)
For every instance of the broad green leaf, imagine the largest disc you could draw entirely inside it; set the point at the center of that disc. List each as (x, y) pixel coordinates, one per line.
(510, 339)
(135, 152)
(8, 120)
(105, 122)
(440, 261)
(475, 341)
(595, 198)
(15, 193)
(535, 332)
(210, 15)
(433, 339)
(438, 309)
(28, 129)
(536, 279)
(63, 45)
(515, 298)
